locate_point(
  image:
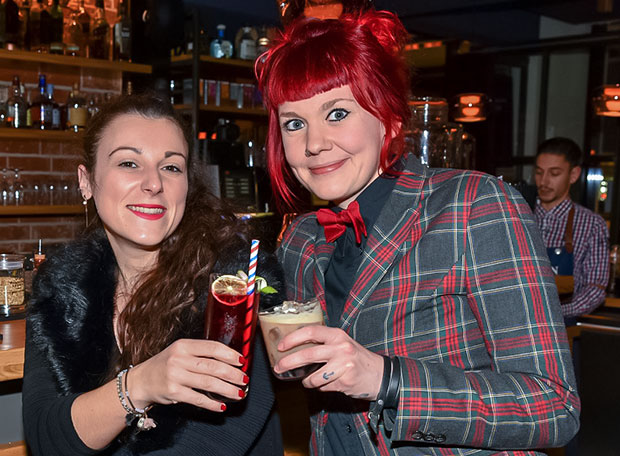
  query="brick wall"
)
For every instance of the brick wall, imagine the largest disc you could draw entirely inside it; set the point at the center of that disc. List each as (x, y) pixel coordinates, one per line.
(44, 163)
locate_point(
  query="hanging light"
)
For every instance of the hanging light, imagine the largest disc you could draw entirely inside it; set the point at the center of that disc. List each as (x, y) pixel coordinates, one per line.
(470, 107)
(607, 102)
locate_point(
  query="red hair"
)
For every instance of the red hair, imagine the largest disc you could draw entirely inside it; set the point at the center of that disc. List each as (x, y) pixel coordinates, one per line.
(313, 56)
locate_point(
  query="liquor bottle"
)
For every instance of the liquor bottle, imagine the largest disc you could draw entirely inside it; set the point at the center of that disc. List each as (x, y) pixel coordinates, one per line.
(24, 25)
(245, 43)
(56, 28)
(41, 108)
(100, 35)
(56, 117)
(77, 111)
(2, 25)
(83, 39)
(122, 33)
(4, 95)
(26, 95)
(221, 47)
(11, 15)
(263, 42)
(16, 106)
(40, 21)
(74, 36)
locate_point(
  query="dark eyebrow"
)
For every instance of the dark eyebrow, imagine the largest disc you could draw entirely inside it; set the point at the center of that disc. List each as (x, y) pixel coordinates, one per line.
(171, 153)
(138, 151)
(133, 149)
(324, 107)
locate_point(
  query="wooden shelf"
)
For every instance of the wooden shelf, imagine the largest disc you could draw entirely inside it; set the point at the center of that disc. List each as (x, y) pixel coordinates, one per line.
(12, 349)
(68, 209)
(187, 59)
(39, 135)
(68, 61)
(260, 112)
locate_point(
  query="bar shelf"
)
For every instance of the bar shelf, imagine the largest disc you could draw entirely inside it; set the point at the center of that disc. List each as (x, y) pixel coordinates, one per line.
(252, 112)
(68, 61)
(39, 135)
(65, 209)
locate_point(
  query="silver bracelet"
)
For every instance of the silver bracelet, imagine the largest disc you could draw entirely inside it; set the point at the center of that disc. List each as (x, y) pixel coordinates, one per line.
(143, 423)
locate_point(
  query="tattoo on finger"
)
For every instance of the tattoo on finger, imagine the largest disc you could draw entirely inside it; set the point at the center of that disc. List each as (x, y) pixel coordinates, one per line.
(327, 376)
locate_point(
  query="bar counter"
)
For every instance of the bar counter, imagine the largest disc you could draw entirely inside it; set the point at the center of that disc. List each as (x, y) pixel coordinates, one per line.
(12, 349)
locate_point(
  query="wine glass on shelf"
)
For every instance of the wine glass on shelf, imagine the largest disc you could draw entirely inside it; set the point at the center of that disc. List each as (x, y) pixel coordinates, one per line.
(18, 188)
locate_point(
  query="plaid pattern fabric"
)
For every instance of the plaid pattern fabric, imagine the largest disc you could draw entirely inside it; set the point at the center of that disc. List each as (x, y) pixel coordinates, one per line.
(590, 252)
(455, 281)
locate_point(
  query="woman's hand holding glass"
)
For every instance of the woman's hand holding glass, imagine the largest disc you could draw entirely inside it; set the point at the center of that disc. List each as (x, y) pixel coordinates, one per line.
(185, 371)
(349, 367)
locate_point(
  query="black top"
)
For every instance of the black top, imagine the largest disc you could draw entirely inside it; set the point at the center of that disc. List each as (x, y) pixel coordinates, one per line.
(340, 436)
(70, 345)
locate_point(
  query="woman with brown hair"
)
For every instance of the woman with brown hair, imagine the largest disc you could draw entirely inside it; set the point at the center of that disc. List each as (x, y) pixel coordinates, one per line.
(116, 362)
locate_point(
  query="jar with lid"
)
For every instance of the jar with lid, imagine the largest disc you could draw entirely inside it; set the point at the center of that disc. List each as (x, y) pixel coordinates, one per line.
(11, 282)
(428, 136)
(436, 141)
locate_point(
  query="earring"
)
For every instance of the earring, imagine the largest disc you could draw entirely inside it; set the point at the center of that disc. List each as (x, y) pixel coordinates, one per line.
(85, 204)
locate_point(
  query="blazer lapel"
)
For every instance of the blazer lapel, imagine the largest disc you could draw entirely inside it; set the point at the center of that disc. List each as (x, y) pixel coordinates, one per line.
(391, 236)
(323, 251)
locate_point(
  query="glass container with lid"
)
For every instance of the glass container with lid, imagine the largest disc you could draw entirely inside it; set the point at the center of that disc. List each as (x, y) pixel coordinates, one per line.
(11, 282)
(431, 137)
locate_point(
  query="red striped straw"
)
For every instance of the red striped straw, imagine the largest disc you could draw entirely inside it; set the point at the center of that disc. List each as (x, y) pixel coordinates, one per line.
(247, 332)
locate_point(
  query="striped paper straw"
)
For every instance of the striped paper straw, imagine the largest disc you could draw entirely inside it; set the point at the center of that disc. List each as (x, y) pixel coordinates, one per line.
(247, 333)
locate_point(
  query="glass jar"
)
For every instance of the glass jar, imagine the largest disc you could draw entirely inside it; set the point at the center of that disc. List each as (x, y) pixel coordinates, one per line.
(437, 142)
(11, 282)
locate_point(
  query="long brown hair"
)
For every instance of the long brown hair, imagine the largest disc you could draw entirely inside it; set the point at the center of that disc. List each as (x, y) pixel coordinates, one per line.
(163, 303)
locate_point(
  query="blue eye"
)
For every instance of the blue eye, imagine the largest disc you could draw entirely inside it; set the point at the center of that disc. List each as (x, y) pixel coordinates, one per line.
(338, 114)
(293, 125)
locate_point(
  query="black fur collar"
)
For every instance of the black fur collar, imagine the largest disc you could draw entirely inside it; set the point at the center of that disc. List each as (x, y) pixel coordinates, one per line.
(71, 313)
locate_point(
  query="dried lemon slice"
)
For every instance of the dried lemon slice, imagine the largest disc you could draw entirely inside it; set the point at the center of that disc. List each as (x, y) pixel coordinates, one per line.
(229, 290)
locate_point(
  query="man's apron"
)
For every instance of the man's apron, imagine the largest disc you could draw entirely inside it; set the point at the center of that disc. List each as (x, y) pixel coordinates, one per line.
(562, 261)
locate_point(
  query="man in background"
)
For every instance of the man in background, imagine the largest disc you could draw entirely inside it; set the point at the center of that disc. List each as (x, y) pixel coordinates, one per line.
(576, 238)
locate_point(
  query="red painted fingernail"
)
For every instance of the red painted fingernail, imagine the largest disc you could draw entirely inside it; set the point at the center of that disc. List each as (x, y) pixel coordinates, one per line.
(246, 379)
(223, 407)
(241, 394)
(242, 360)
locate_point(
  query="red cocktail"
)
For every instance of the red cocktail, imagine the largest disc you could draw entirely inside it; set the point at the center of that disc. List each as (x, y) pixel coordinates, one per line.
(230, 319)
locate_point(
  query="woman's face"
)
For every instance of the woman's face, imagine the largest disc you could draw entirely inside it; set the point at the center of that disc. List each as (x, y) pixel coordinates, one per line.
(140, 182)
(332, 144)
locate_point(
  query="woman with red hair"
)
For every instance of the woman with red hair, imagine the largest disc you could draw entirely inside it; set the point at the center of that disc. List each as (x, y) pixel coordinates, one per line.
(444, 333)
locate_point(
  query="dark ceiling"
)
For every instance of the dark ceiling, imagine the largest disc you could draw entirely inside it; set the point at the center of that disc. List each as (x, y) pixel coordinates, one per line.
(484, 22)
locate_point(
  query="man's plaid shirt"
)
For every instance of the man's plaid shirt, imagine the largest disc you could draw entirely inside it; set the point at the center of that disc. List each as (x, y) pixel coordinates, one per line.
(456, 282)
(590, 252)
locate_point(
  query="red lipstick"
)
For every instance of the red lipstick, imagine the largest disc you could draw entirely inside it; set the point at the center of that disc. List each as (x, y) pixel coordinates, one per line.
(147, 211)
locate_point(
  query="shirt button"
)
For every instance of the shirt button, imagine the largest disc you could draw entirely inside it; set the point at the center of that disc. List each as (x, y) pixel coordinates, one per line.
(417, 435)
(348, 428)
(429, 438)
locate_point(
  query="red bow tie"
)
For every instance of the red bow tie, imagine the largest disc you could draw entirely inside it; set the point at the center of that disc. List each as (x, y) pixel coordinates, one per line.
(335, 224)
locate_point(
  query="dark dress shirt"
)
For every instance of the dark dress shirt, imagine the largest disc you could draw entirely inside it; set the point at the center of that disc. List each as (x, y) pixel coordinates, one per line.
(342, 438)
